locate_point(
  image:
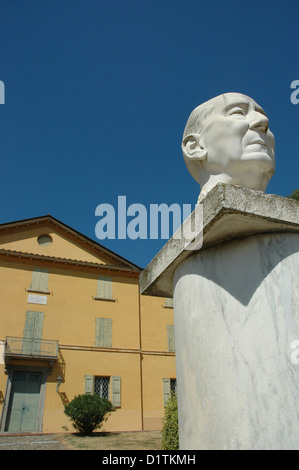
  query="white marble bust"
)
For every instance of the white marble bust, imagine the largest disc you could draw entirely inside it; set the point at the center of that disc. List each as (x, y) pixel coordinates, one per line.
(227, 140)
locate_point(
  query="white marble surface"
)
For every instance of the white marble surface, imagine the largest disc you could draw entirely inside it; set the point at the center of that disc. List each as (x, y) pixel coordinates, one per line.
(228, 212)
(236, 312)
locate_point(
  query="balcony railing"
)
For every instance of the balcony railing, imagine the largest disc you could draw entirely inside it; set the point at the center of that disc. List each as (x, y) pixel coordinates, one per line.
(31, 348)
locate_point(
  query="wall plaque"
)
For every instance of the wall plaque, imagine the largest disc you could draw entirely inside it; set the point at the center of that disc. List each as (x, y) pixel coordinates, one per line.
(37, 299)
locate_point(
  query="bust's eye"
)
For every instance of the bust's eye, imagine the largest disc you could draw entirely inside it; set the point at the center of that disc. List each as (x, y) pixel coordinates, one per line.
(237, 111)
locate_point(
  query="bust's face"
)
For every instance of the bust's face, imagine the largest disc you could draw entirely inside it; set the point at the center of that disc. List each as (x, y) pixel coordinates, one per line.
(237, 131)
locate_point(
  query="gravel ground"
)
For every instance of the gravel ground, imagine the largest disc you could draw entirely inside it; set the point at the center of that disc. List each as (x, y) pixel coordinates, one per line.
(31, 442)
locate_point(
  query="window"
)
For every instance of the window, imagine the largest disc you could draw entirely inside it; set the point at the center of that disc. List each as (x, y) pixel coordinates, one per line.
(168, 303)
(33, 331)
(105, 387)
(169, 388)
(173, 386)
(33, 328)
(44, 240)
(101, 387)
(170, 338)
(104, 288)
(103, 336)
(39, 281)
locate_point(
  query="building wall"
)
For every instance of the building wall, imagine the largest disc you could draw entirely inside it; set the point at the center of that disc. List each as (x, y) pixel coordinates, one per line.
(139, 352)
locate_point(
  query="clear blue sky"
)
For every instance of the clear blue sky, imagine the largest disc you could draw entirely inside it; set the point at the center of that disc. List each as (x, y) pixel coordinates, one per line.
(98, 93)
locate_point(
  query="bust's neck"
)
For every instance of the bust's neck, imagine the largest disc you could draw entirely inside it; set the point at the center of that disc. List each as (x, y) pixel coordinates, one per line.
(212, 181)
(251, 176)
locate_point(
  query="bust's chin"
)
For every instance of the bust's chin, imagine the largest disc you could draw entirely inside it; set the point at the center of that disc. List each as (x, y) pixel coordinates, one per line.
(252, 173)
(258, 155)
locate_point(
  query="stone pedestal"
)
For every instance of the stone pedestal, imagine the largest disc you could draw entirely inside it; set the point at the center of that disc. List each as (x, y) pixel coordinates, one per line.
(236, 308)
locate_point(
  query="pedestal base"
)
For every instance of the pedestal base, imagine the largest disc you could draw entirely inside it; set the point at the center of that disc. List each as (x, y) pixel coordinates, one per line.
(236, 309)
(236, 314)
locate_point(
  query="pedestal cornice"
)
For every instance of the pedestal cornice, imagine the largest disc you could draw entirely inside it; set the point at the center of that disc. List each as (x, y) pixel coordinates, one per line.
(229, 212)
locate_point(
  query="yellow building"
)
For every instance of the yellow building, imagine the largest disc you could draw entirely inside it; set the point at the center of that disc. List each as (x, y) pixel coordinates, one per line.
(72, 321)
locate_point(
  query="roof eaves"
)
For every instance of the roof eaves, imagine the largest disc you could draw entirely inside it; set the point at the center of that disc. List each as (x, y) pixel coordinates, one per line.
(67, 228)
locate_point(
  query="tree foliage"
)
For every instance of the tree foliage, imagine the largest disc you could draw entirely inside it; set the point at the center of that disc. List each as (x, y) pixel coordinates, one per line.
(88, 412)
(170, 431)
(294, 195)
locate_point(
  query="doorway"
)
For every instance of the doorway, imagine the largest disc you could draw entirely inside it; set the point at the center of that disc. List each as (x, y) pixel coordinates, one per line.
(23, 413)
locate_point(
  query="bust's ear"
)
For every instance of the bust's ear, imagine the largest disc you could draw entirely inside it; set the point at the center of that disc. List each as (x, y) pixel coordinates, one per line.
(194, 148)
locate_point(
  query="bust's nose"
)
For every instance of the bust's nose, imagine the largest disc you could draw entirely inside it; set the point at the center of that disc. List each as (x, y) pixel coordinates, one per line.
(258, 122)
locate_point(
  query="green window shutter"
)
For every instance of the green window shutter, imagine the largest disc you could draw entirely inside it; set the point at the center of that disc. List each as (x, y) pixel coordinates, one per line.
(29, 325)
(33, 331)
(39, 279)
(170, 337)
(103, 337)
(104, 287)
(88, 384)
(166, 390)
(116, 389)
(33, 325)
(169, 302)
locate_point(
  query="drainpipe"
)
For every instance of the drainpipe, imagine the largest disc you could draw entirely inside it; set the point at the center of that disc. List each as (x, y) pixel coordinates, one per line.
(140, 359)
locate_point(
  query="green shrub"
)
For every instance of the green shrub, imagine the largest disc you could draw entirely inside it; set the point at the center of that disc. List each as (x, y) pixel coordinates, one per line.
(88, 412)
(170, 431)
(294, 195)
